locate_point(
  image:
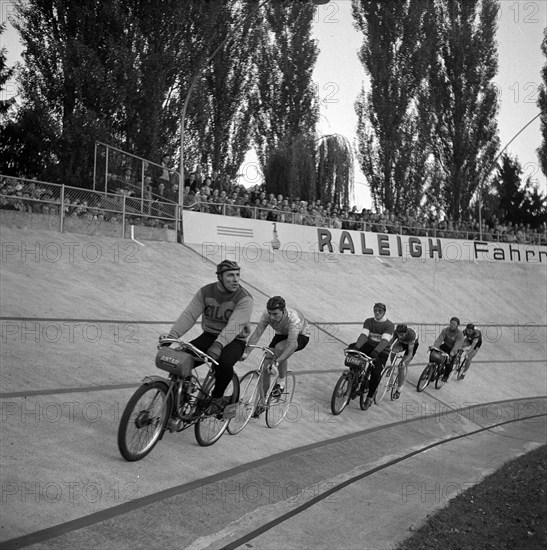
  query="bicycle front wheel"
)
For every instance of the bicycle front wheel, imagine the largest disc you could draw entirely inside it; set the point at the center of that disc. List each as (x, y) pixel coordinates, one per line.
(460, 367)
(248, 395)
(383, 385)
(277, 407)
(342, 393)
(439, 378)
(143, 420)
(425, 378)
(211, 427)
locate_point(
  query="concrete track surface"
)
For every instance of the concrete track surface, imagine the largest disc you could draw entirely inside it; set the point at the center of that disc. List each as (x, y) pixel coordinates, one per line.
(80, 320)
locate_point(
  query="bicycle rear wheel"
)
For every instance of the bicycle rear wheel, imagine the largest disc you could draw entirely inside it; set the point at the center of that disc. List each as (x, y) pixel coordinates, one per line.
(143, 420)
(277, 407)
(248, 395)
(384, 384)
(425, 377)
(211, 427)
(342, 393)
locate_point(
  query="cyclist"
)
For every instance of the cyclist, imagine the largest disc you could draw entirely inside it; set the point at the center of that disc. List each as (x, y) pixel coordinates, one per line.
(225, 308)
(473, 341)
(404, 339)
(374, 341)
(450, 340)
(291, 335)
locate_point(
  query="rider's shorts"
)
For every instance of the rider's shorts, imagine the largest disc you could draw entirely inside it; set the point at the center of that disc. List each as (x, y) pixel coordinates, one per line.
(302, 340)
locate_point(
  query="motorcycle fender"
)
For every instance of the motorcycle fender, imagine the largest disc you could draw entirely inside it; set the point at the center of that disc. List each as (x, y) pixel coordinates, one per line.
(154, 378)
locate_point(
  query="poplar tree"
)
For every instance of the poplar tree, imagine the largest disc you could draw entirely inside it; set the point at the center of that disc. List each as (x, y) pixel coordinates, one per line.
(463, 100)
(542, 104)
(393, 123)
(285, 104)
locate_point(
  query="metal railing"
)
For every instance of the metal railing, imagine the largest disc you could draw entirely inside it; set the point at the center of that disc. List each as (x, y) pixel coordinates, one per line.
(69, 204)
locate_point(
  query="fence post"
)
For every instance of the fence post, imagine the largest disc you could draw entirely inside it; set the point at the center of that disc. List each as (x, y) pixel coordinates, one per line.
(62, 220)
(123, 216)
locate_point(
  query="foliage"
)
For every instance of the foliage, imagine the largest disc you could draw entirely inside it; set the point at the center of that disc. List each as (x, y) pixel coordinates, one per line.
(542, 104)
(285, 105)
(118, 71)
(463, 99)
(5, 75)
(335, 175)
(511, 200)
(225, 133)
(393, 125)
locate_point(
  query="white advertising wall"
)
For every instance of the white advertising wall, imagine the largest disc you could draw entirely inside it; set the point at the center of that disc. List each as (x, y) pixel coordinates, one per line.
(251, 238)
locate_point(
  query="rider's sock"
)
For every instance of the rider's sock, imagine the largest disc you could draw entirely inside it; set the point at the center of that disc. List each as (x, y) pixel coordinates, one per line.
(281, 382)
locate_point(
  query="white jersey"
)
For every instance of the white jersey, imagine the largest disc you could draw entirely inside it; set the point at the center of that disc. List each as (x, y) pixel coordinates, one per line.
(291, 324)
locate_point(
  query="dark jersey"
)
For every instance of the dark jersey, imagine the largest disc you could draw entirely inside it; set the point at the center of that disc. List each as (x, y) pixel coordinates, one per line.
(471, 336)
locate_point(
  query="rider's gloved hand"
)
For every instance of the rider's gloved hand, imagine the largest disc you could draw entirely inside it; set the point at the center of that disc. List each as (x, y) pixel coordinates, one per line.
(162, 340)
(215, 350)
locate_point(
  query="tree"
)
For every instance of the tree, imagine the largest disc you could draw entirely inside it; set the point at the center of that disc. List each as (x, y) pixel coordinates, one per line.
(542, 104)
(6, 74)
(335, 165)
(511, 200)
(463, 99)
(393, 126)
(285, 104)
(118, 71)
(224, 131)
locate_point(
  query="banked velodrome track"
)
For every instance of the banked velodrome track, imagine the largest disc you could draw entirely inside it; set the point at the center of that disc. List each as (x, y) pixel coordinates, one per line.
(80, 319)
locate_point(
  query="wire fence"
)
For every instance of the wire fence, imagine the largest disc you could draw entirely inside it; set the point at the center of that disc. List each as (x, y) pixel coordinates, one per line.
(72, 206)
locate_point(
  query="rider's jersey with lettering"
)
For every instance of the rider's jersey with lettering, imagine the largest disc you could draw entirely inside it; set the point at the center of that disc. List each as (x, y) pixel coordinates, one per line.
(223, 313)
(470, 338)
(378, 330)
(452, 339)
(291, 324)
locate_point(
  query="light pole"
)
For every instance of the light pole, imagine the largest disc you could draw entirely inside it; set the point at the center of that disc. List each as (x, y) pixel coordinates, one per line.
(228, 37)
(494, 165)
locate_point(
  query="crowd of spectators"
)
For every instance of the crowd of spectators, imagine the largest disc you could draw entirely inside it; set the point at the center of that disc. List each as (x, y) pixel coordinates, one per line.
(155, 207)
(257, 204)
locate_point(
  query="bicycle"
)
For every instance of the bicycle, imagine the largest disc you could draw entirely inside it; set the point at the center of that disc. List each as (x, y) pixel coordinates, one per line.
(434, 370)
(176, 403)
(251, 392)
(352, 382)
(390, 375)
(459, 363)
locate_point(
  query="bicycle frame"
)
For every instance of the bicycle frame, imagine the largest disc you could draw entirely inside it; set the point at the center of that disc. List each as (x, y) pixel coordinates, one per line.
(267, 354)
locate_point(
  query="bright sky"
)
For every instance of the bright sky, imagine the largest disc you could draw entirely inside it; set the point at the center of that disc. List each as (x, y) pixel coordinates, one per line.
(339, 76)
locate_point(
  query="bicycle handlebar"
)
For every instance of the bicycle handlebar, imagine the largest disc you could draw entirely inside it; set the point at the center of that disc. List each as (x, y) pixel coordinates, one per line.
(433, 348)
(357, 352)
(263, 348)
(187, 345)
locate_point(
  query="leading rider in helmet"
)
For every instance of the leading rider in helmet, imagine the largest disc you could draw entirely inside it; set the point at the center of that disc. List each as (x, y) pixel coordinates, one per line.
(225, 308)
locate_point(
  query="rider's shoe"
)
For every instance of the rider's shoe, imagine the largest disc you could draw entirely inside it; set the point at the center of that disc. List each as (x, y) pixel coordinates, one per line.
(259, 409)
(174, 424)
(216, 406)
(462, 375)
(368, 403)
(396, 394)
(277, 391)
